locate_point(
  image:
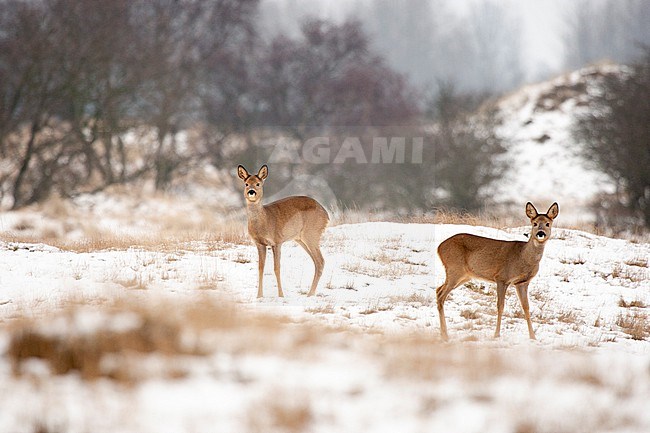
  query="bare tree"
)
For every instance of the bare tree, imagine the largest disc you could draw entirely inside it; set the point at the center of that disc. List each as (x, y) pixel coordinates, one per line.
(31, 93)
(77, 75)
(193, 69)
(330, 83)
(469, 155)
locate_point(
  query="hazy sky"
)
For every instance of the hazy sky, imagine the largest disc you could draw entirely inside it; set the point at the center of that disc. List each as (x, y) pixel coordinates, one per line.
(541, 26)
(542, 23)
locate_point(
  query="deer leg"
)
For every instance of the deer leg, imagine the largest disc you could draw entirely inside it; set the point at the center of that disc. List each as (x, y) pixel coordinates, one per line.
(319, 264)
(261, 252)
(522, 293)
(276, 266)
(451, 282)
(441, 296)
(501, 299)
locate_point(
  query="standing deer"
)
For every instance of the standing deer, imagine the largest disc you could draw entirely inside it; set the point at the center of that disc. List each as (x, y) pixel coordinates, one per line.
(297, 218)
(468, 256)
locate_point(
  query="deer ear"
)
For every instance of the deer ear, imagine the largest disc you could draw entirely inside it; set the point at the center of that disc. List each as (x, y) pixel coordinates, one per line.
(553, 211)
(263, 173)
(242, 173)
(531, 212)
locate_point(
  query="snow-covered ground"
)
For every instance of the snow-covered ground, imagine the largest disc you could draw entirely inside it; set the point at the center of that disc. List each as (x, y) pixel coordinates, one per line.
(547, 164)
(362, 355)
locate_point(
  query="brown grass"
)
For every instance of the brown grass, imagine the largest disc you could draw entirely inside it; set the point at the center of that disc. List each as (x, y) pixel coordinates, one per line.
(424, 358)
(63, 225)
(568, 317)
(285, 413)
(376, 307)
(169, 328)
(469, 314)
(640, 262)
(160, 241)
(635, 324)
(438, 216)
(416, 299)
(447, 216)
(321, 309)
(636, 303)
(633, 274)
(578, 260)
(390, 271)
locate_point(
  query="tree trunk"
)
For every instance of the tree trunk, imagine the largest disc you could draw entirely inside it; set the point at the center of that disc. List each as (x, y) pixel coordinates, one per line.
(20, 177)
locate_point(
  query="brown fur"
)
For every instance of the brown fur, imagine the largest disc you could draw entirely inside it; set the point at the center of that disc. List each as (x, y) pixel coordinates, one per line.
(297, 218)
(506, 263)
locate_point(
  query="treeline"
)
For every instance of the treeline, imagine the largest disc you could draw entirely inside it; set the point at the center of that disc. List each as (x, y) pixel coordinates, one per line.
(95, 93)
(478, 44)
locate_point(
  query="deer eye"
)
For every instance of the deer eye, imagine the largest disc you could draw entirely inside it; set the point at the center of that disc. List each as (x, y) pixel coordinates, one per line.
(246, 184)
(258, 184)
(548, 225)
(534, 224)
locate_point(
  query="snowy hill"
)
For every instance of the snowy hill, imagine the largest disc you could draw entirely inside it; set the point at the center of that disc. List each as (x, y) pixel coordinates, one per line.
(173, 338)
(547, 165)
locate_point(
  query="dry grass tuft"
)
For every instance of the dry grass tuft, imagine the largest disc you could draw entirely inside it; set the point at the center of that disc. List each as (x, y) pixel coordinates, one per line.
(321, 309)
(579, 260)
(634, 274)
(635, 324)
(636, 303)
(416, 299)
(470, 314)
(568, 317)
(640, 262)
(479, 287)
(376, 307)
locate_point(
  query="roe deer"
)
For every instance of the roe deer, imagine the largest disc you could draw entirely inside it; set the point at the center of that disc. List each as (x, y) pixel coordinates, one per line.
(297, 218)
(468, 256)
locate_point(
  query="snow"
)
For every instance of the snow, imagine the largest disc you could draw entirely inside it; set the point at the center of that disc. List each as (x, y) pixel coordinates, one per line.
(547, 164)
(370, 357)
(365, 353)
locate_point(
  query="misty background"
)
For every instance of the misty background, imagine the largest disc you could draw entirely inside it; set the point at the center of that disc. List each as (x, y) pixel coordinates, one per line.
(95, 94)
(480, 45)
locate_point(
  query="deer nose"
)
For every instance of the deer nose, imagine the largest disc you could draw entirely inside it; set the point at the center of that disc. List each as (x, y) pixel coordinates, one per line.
(251, 192)
(540, 235)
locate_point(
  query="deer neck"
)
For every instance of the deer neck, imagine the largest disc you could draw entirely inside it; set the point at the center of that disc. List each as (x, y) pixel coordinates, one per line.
(255, 211)
(533, 250)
